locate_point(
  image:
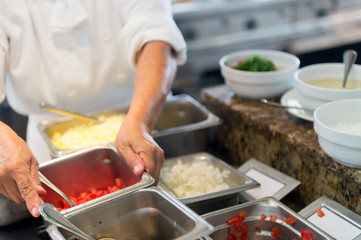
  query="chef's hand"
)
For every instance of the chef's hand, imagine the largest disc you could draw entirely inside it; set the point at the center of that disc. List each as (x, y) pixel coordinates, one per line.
(135, 144)
(19, 171)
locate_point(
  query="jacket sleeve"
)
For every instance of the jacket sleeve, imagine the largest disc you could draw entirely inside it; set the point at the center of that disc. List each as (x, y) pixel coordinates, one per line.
(150, 20)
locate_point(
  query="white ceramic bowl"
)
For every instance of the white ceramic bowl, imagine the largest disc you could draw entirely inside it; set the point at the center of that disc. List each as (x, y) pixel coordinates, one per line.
(255, 85)
(311, 96)
(338, 125)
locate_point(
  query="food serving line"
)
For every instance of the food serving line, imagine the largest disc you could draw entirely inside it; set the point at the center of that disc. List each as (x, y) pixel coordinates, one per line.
(247, 200)
(254, 190)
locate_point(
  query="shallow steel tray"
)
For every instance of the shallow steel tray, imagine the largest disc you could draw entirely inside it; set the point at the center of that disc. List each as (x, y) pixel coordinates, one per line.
(183, 127)
(147, 213)
(213, 200)
(268, 206)
(78, 172)
(95, 167)
(338, 221)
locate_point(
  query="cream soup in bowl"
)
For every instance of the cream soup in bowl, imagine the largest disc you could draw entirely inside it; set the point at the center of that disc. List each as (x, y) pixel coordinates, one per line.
(335, 83)
(317, 84)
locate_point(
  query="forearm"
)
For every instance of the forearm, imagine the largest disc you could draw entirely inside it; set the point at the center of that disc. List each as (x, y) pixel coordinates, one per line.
(156, 69)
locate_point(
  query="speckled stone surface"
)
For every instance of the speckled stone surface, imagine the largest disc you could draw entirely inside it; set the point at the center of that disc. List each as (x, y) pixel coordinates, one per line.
(270, 134)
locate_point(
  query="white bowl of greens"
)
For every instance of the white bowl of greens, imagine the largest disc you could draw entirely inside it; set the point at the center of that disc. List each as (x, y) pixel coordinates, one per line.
(259, 73)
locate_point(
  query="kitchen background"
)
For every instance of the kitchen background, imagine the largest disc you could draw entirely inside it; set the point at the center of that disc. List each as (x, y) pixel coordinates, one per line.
(314, 30)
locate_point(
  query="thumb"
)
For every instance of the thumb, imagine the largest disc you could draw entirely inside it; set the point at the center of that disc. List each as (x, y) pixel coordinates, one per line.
(134, 161)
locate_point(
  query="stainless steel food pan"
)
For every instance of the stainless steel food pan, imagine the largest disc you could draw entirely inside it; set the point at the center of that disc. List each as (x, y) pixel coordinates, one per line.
(262, 229)
(145, 214)
(212, 200)
(91, 168)
(338, 221)
(183, 127)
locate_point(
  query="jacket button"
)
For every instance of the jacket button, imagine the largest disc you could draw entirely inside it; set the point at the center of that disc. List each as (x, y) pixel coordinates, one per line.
(64, 51)
(121, 78)
(73, 95)
(106, 36)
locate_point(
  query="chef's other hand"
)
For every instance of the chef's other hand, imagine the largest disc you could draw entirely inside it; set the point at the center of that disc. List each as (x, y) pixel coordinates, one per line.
(19, 171)
(135, 144)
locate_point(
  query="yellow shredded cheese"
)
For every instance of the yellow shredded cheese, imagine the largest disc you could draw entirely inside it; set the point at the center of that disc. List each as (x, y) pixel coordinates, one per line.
(89, 134)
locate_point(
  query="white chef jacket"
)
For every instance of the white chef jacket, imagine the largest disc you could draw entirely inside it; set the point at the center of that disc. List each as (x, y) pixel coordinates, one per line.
(76, 54)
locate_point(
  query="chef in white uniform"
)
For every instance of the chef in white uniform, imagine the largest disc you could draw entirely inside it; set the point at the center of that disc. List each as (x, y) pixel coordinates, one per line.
(85, 56)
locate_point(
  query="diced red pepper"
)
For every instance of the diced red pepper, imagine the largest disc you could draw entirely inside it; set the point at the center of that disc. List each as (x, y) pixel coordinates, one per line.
(320, 213)
(231, 235)
(238, 223)
(232, 221)
(241, 227)
(263, 217)
(242, 216)
(290, 220)
(275, 233)
(92, 194)
(258, 229)
(272, 218)
(306, 235)
(118, 182)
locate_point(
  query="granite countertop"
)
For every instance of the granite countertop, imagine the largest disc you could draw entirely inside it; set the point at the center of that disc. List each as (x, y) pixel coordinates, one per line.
(252, 129)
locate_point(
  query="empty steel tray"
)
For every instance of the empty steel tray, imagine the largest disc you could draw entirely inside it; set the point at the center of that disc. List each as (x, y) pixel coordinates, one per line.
(149, 213)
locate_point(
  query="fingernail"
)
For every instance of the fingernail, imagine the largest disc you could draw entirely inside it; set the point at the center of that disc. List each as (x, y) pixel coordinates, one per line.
(136, 168)
(34, 211)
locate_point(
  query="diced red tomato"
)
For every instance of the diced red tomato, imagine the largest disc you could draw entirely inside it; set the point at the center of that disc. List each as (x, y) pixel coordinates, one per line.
(290, 220)
(275, 233)
(263, 217)
(306, 235)
(272, 218)
(241, 227)
(238, 224)
(320, 213)
(231, 235)
(92, 194)
(258, 229)
(242, 216)
(118, 182)
(232, 221)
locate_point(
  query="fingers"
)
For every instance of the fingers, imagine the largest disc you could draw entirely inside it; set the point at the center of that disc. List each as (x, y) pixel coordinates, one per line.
(134, 161)
(143, 156)
(29, 192)
(18, 171)
(153, 163)
(35, 179)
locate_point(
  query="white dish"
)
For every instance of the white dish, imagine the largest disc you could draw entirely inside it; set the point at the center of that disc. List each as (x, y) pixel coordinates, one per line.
(290, 98)
(255, 85)
(336, 124)
(312, 96)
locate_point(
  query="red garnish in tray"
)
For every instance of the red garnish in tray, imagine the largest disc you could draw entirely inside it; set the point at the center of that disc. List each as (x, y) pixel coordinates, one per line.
(258, 229)
(263, 217)
(320, 213)
(306, 235)
(275, 233)
(92, 194)
(273, 218)
(238, 224)
(290, 220)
